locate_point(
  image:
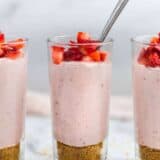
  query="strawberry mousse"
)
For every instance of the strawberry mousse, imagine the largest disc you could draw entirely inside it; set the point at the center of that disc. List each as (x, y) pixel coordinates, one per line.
(80, 77)
(13, 64)
(146, 78)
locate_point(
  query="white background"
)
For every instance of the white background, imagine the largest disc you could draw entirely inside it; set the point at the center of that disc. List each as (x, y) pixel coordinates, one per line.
(39, 19)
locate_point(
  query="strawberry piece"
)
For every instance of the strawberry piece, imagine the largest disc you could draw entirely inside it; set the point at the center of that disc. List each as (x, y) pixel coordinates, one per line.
(57, 54)
(155, 40)
(17, 44)
(82, 37)
(96, 56)
(91, 46)
(13, 54)
(154, 60)
(142, 59)
(73, 54)
(2, 38)
(103, 56)
(1, 52)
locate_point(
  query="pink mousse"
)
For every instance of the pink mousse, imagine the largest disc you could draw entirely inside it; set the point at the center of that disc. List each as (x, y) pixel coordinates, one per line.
(147, 105)
(80, 102)
(12, 91)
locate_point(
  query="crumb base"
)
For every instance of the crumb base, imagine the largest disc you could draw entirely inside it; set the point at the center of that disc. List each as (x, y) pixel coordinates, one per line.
(147, 153)
(10, 153)
(66, 152)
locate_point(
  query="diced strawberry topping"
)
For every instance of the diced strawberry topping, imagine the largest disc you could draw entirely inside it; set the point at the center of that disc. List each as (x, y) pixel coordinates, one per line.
(96, 56)
(57, 54)
(150, 56)
(11, 49)
(2, 38)
(84, 49)
(73, 54)
(103, 56)
(83, 37)
(13, 54)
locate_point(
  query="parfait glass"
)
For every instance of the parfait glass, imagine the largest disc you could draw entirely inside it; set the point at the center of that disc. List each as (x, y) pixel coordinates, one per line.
(146, 90)
(80, 96)
(13, 75)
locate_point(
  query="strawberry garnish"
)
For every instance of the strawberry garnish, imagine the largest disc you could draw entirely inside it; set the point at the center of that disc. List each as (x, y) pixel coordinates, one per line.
(103, 56)
(57, 54)
(83, 37)
(2, 38)
(96, 56)
(84, 49)
(150, 56)
(11, 49)
(73, 54)
(13, 54)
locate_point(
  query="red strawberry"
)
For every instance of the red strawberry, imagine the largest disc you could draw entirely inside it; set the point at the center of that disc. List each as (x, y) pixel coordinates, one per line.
(82, 37)
(154, 60)
(96, 56)
(73, 54)
(57, 54)
(142, 59)
(155, 40)
(103, 56)
(1, 52)
(90, 46)
(2, 38)
(13, 54)
(17, 44)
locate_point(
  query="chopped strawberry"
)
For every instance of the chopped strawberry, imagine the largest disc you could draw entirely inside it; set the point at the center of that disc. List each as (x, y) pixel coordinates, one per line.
(1, 52)
(103, 56)
(57, 54)
(154, 60)
(96, 56)
(155, 40)
(73, 54)
(89, 47)
(84, 49)
(17, 44)
(13, 54)
(87, 59)
(82, 37)
(2, 38)
(142, 59)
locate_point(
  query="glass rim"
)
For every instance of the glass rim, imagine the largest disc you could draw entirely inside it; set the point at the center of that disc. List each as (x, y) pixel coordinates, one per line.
(57, 41)
(142, 39)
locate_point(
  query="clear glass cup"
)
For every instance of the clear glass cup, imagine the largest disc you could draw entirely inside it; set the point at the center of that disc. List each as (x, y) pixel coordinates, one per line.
(146, 90)
(80, 95)
(13, 75)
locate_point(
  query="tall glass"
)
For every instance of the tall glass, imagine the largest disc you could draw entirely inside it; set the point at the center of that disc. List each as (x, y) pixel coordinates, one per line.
(146, 88)
(13, 71)
(80, 95)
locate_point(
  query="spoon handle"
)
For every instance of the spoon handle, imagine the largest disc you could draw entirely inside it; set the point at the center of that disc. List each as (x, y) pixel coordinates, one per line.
(115, 14)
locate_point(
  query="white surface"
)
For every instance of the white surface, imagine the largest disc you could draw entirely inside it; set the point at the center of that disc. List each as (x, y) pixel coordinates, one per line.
(38, 19)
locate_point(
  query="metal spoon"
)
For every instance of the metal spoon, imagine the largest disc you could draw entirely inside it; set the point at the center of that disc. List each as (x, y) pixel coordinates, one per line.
(115, 14)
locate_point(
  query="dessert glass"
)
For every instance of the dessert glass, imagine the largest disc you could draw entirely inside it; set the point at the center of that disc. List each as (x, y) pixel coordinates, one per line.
(13, 73)
(146, 90)
(80, 95)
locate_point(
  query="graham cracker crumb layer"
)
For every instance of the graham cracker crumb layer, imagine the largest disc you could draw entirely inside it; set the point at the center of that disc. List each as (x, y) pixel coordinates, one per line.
(10, 153)
(147, 153)
(66, 152)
